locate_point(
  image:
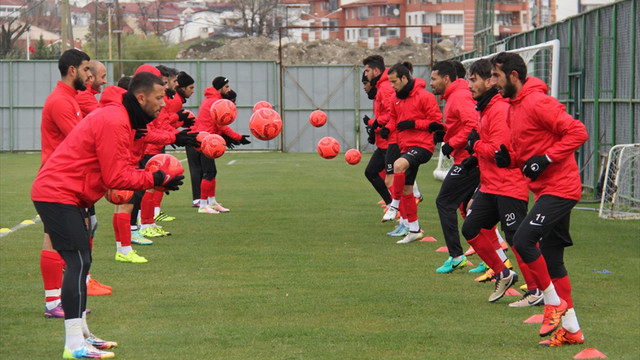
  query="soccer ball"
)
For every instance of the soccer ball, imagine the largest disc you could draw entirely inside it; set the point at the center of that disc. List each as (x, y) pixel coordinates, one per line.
(223, 112)
(262, 105)
(265, 124)
(169, 164)
(118, 197)
(328, 147)
(318, 118)
(200, 137)
(213, 146)
(352, 156)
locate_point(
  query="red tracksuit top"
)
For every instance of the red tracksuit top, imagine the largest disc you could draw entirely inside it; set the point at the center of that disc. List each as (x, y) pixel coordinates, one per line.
(460, 116)
(163, 127)
(494, 131)
(422, 107)
(94, 157)
(382, 103)
(540, 125)
(204, 121)
(60, 114)
(87, 100)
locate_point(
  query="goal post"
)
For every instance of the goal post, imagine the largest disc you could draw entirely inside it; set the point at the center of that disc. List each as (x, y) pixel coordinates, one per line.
(621, 187)
(543, 62)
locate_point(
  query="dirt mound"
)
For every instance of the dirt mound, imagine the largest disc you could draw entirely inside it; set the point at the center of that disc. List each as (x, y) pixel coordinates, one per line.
(320, 52)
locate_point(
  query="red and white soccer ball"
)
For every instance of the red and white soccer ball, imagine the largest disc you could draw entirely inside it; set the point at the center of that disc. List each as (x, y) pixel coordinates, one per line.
(118, 197)
(262, 105)
(265, 124)
(328, 147)
(223, 112)
(200, 137)
(318, 118)
(352, 156)
(169, 164)
(213, 146)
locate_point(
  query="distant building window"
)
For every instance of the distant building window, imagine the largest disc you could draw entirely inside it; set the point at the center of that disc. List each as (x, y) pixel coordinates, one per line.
(372, 11)
(363, 13)
(381, 11)
(393, 32)
(363, 34)
(426, 38)
(438, 19)
(505, 19)
(408, 20)
(452, 19)
(333, 23)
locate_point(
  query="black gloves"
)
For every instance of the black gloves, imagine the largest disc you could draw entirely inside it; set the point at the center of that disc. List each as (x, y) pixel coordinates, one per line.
(471, 140)
(446, 150)
(435, 126)
(366, 119)
(245, 140)
(230, 142)
(406, 125)
(535, 166)
(183, 138)
(375, 125)
(140, 133)
(159, 179)
(438, 136)
(371, 139)
(502, 157)
(384, 132)
(469, 163)
(186, 117)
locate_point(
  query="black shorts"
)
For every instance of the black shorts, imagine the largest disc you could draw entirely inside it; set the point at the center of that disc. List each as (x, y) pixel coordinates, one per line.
(65, 224)
(416, 156)
(393, 153)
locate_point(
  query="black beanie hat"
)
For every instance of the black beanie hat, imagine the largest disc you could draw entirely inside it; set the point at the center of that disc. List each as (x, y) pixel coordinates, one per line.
(219, 82)
(184, 79)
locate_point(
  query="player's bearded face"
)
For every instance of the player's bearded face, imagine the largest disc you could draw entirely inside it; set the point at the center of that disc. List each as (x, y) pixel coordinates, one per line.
(153, 102)
(509, 90)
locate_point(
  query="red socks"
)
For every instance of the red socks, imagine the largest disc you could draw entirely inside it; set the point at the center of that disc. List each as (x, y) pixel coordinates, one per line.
(398, 186)
(540, 272)
(51, 266)
(409, 208)
(207, 188)
(157, 198)
(524, 270)
(484, 248)
(122, 229)
(146, 209)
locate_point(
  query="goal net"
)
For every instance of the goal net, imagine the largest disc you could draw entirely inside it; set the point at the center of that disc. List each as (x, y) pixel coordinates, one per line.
(621, 187)
(543, 61)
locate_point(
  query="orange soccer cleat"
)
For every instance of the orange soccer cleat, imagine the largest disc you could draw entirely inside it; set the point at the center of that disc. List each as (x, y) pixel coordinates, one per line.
(564, 337)
(93, 289)
(552, 316)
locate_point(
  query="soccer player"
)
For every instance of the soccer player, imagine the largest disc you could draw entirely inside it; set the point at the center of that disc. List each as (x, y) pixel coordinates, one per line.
(98, 77)
(383, 95)
(503, 193)
(90, 160)
(544, 139)
(208, 203)
(412, 112)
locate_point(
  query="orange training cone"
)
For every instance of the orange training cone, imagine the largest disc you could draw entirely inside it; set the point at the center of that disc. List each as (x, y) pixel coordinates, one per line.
(428, 239)
(512, 292)
(442, 249)
(590, 353)
(535, 319)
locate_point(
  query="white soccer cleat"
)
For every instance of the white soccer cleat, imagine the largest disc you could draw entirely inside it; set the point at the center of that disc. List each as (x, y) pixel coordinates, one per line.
(390, 214)
(411, 237)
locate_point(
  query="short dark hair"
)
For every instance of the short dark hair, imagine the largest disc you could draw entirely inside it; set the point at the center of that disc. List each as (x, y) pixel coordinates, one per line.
(364, 78)
(144, 82)
(511, 62)
(402, 69)
(374, 62)
(71, 57)
(445, 68)
(461, 72)
(167, 71)
(481, 68)
(124, 82)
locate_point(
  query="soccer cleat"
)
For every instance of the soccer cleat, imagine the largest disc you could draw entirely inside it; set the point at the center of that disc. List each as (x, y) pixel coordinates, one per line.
(480, 268)
(137, 238)
(508, 264)
(149, 232)
(502, 285)
(56, 312)
(220, 208)
(419, 199)
(93, 289)
(101, 285)
(131, 257)
(86, 352)
(552, 316)
(487, 276)
(524, 287)
(390, 214)
(160, 230)
(530, 298)
(450, 265)
(208, 210)
(564, 337)
(400, 230)
(195, 203)
(99, 343)
(162, 216)
(411, 237)
(470, 251)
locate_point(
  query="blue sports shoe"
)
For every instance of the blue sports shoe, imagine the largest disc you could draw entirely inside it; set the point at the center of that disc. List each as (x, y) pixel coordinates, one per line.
(480, 269)
(400, 230)
(450, 265)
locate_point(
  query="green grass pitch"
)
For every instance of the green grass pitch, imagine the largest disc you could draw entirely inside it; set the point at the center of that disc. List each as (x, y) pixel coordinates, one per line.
(301, 268)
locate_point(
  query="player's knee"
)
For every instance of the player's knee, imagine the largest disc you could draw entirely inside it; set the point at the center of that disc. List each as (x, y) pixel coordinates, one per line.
(469, 231)
(208, 176)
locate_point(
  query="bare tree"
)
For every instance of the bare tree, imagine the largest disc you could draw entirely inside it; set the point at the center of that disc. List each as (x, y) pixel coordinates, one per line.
(8, 36)
(258, 16)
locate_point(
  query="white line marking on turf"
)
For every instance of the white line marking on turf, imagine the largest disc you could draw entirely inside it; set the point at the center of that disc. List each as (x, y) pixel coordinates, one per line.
(231, 162)
(21, 225)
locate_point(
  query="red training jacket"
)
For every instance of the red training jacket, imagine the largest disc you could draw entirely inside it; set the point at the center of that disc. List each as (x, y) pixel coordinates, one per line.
(87, 100)
(93, 158)
(164, 131)
(60, 115)
(540, 125)
(204, 121)
(494, 131)
(422, 107)
(460, 117)
(382, 103)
